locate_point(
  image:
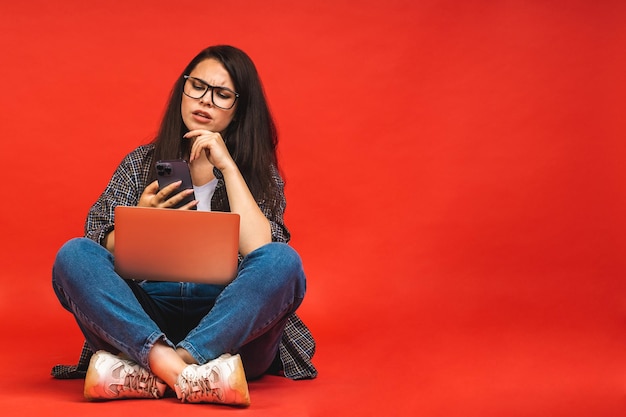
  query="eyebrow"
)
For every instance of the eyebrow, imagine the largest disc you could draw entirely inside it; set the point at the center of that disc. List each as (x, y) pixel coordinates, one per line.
(211, 85)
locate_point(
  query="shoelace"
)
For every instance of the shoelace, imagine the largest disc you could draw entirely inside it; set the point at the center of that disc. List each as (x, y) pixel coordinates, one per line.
(141, 382)
(202, 387)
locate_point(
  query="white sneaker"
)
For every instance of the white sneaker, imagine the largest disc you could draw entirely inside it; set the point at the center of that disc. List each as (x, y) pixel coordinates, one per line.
(221, 380)
(110, 377)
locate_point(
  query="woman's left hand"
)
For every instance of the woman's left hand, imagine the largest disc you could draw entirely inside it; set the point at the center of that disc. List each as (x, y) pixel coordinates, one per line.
(213, 146)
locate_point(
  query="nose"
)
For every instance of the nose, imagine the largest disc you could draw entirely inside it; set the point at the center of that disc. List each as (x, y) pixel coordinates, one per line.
(206, 98)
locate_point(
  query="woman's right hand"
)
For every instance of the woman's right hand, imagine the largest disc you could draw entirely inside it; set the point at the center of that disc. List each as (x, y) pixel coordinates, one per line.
(153, 197)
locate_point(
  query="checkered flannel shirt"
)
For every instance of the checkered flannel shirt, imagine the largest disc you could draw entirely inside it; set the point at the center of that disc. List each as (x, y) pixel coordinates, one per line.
(125, 187)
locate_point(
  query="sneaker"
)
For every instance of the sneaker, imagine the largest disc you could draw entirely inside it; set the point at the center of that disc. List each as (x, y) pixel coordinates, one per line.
(110, 377)
(221, 380)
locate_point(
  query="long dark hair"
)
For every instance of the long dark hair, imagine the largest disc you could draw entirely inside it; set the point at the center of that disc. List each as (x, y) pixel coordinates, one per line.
(251, 136)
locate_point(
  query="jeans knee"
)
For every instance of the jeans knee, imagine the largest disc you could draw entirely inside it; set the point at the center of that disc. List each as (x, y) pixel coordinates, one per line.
(71, 255)
(284, 252)
(71, 249)
(65, 257)
(278, 264)
(287, 265)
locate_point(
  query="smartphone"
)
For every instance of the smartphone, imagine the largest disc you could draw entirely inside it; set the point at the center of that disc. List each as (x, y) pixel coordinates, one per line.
(170, 171)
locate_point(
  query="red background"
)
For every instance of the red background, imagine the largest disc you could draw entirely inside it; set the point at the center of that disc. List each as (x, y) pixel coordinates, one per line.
(454, 182)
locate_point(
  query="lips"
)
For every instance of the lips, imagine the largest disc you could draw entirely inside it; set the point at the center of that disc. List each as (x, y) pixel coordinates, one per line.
(202, 115)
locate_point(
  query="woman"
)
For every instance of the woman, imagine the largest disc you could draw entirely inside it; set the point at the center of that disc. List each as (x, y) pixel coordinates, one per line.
(196, 339)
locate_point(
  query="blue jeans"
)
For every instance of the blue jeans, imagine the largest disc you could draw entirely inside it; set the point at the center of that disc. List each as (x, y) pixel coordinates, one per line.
(247, 316)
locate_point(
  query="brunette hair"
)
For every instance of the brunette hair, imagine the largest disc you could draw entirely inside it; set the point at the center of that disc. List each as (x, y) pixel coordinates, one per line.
(251, 136)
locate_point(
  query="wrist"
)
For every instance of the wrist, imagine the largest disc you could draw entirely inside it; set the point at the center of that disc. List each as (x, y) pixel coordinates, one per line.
(228, 170)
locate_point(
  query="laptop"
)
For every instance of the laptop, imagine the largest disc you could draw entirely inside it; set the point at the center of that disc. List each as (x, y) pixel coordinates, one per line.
(158, 244)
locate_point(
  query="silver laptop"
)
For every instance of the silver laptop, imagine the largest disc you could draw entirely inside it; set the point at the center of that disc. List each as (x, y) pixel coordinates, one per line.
(176, 245)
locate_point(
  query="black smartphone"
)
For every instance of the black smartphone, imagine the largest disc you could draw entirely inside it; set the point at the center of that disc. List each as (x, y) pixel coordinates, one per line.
(170, 171)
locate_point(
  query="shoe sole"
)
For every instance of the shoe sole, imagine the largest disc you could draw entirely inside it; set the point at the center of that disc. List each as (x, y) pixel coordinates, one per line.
(92, 381)
(237, 382)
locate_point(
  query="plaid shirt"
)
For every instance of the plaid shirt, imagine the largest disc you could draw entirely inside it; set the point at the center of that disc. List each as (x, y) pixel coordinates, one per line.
(125, 187)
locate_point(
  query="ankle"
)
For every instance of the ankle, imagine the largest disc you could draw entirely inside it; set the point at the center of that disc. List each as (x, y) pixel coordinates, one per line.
(186, 356)
(165, 363)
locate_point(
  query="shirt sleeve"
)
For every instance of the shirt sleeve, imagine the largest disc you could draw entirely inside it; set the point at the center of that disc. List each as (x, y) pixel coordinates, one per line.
(124, 189)
(280, 233)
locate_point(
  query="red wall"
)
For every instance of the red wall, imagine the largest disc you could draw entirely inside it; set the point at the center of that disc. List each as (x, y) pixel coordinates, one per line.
(454, 168)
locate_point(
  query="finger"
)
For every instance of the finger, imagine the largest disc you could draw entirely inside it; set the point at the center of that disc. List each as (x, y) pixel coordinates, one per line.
(201, 143)
(189, 205)
(153, 187)
(195, 133)
(149, 193)
(178, 198)
(193, 151)
(164, 192)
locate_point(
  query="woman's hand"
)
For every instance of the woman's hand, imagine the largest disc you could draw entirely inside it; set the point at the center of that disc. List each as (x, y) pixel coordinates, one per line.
(254, 228)
(165, 198)
(214, 147)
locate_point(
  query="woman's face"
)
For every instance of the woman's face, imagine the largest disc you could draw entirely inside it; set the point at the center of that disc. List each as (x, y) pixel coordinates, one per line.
(201, 113)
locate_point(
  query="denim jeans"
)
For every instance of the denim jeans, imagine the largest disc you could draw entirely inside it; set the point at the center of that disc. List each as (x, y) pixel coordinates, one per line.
(247, 316)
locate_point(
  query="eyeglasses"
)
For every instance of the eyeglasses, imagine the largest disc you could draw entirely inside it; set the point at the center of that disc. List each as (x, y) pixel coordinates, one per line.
(221, 97)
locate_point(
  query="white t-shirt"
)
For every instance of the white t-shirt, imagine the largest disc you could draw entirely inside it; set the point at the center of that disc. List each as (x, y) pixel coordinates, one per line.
(204, 193)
